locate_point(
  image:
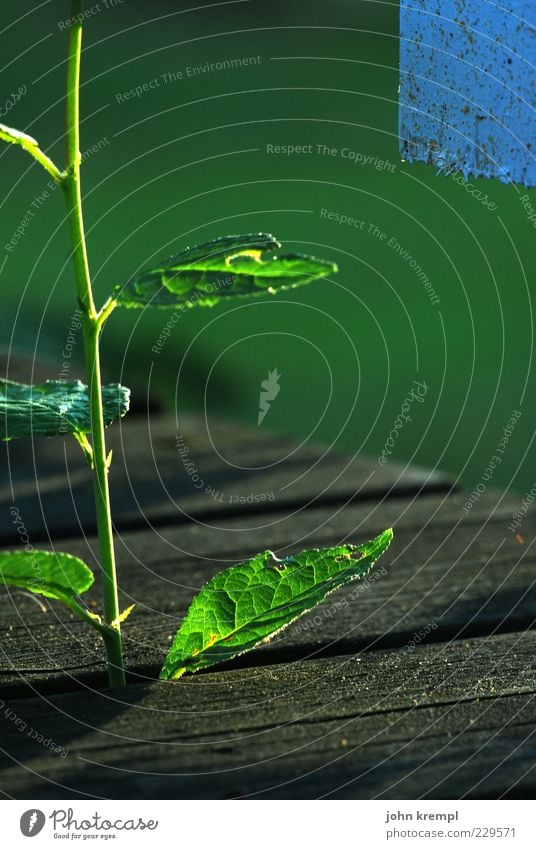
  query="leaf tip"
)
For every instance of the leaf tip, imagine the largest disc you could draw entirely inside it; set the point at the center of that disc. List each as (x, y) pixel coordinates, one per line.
(171, 674)
(385, 536)
(382, 542)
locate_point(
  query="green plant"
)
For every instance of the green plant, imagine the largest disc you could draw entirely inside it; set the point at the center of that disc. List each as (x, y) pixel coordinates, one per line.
(244, 604)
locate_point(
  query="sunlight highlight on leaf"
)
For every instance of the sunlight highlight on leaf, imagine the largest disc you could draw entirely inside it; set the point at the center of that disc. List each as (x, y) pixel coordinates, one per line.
(250, 602)
(232, 266)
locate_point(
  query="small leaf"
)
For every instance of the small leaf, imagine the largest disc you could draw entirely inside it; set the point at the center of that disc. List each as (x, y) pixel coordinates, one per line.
(231, 266)
(252, 601)
(122, 616)
(47, 573)
(55, 407)
(9, 134)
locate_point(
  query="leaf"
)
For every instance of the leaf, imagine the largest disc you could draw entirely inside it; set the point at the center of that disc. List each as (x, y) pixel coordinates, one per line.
(9, 134)
(55, 407)
(47, 573)
(231, 266)
(252, 601)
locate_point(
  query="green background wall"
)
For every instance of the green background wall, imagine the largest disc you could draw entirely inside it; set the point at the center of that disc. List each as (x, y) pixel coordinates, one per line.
(187, 161)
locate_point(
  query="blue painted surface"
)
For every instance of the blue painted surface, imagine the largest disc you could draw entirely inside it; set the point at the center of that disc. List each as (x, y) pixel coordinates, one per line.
(468, 86)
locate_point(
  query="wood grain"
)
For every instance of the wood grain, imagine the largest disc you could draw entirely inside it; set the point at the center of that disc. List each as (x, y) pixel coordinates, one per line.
(419, 682)
(227, 470)
(443, 721)
(452, 573)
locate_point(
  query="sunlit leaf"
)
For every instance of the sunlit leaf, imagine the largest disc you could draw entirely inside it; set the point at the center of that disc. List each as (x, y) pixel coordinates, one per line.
(124, 615)
(47, 573)
(250, 602)
(232, 266)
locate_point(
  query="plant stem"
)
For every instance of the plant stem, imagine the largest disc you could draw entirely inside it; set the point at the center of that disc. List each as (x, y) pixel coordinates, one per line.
(91, 327)
(43, 160)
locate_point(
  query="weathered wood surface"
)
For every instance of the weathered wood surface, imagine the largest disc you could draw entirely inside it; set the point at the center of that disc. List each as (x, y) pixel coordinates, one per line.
(238, 471)
(442, 721)
(419, 682)
(458, 572)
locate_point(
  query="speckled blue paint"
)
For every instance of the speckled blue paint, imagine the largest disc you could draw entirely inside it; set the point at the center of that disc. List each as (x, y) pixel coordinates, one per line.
(468, 86)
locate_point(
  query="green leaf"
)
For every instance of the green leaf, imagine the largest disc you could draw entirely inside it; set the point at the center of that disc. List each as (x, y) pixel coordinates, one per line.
(252, 601)
(124, 615)
(232, 266)
(54, 575)
(54, 407)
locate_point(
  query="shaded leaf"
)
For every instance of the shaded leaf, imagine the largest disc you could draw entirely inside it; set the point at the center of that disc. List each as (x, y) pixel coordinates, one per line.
(231, 266)
(252, 601)
(47, 573)
(55, 407)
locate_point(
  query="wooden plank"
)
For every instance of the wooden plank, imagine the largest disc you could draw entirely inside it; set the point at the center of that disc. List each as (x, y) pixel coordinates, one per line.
(442, 721)
(164, 472)
(451, 573)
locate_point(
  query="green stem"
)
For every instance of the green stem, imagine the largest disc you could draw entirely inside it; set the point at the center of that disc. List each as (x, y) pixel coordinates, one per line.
(29, 144)
(84, 614)
(91, 326)
(43, 160)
